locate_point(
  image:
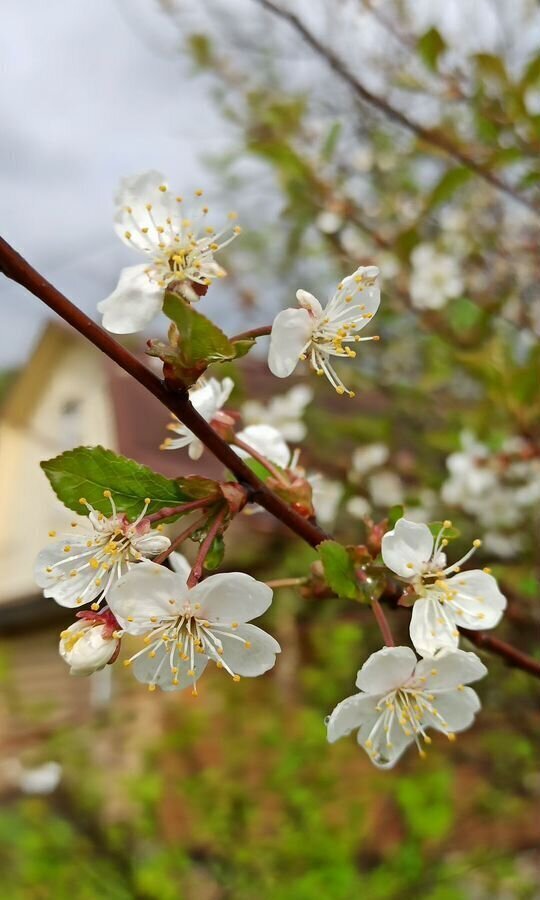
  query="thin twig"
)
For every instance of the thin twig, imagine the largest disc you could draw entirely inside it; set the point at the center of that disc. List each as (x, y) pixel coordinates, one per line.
(196, 572)
(169, 511)
(252, 333)
(383, 624)
(430, 136)
(179, 539)
(269, 466)
(510, 654)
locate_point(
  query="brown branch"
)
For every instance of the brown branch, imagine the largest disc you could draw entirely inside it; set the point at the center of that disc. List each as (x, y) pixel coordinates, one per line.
(252, 333)
(15, 267)
(510, 654)
(430, 136)
(183, 508)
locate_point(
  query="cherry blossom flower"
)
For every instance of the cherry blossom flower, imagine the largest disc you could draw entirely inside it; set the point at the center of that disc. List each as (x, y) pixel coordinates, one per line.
(445, 601)
(435, 278)
(283, 412)
(326, 497)
(82, 566)
(90, 643)
(178, 247)
(267, 441)
(313, 333)
(207, 396)
(401, 698)
(183, 629)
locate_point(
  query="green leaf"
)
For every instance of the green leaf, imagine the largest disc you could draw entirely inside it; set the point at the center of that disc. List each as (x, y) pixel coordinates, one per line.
(450, 533)
(430, 46)
(338, 569)
(88, 471)
(447, 186)
(200, 342)
(394, 514)
(243, 347)
(331, 140)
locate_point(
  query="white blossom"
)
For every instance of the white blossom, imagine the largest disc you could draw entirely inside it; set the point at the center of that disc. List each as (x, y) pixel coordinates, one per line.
(358, 507)
(315, 334)
(267, 441)
(435, 278)
(178, 247)
(401, 698)
(81, 567)
(445, 601)
(326, 494)
(283, 412)
(183, 629)
(385, 488)
(368, 457)
(87, 646)
(207, 397)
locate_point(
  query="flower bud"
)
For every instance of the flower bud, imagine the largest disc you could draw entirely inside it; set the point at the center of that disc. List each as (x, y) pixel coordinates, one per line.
(87, 647)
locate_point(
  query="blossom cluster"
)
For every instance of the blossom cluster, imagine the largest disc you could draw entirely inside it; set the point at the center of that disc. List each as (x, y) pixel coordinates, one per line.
(139, 590)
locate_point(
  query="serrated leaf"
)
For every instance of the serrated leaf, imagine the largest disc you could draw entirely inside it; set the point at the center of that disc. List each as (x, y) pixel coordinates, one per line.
(200, 342)
(88, 471)
(338, 569)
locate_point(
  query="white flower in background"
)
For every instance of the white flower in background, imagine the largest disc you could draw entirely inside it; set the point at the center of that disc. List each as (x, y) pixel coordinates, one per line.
(207, 397)
(83, 566)
(385, 488)
(283, 412)
(88, 645)
(178, 247)
(316, 334)
(435, 278)
(358, 507)
(468, 599)
(39, 780)
(368, 457)
(329, 221)
(401, 698)
(326, 495)
(185, 628)
(266, 441)
(503, 545)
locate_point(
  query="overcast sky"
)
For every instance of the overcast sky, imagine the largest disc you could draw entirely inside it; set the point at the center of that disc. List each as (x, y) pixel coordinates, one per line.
(92, 92)
(89, 93)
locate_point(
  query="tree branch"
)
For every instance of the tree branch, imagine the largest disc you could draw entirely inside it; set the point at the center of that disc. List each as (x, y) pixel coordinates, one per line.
(15, 267)
(18, 269)
(430, 136)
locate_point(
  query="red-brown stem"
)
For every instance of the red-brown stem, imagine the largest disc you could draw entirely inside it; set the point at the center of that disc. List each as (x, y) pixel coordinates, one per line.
(252, 333)
(196, 573)
(169, 511)
(285, 582)
(14, 266)
(179, 539)
(382, 622)
(510, 654)
(270, 467)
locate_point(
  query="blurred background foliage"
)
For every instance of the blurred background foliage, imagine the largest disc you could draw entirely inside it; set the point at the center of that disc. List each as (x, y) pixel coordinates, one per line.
(363, 135)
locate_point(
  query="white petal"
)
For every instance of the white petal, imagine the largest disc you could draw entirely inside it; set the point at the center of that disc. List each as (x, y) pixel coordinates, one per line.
(309, 302)
(157, 669)
(253, 660)
(90, 652)
(151, 543)
(478, 598)
(291, 331)
(147, 592)
(180, 565)
(58, 584)
(449, 670)
(457, 710)
(231, 597)
(386, 670)
(433, 626)
(267, 441)
(351, 713)
(133, 303)
(365, 293)
(407, 547)
(384, 748)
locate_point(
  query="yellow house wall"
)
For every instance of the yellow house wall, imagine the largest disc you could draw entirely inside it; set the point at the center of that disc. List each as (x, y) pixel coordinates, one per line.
(62, 401)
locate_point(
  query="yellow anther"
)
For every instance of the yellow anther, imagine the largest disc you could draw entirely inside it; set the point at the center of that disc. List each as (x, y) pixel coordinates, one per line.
(198, 193)
(477, 543)
(163, 188)
(434, 672)
(340, 390)
(451, 736)
(83, 501)
(67, 548)
(352, 395)
(129, 209)
(179, 199)
(145, 230)
(95, 606)
(149, 207)
(232, 216)
(127, 662)
(247, 645)
(236, 678)
(127, 235)
(151, 687)
(487, 570)
(447, 523)
(52, 533)
(234, 624)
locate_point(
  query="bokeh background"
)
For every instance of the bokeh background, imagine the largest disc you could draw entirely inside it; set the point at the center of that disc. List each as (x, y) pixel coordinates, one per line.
(405, 134)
